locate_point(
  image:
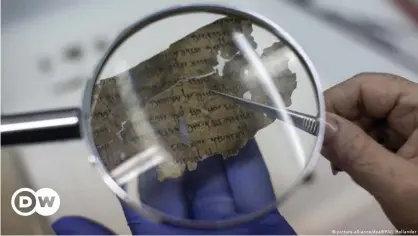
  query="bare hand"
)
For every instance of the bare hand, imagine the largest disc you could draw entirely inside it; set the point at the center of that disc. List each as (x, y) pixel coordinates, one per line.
(375, 117)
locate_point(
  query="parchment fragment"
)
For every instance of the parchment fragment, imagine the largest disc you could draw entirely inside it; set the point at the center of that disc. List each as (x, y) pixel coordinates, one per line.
(192, 56)
(174, 89)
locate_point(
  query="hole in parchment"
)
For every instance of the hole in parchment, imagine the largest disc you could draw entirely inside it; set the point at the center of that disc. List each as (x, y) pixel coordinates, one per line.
(221, 63)
(122, 156)
(247, 95)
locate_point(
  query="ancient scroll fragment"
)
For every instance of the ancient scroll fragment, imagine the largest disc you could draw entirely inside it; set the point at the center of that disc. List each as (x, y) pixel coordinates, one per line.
(174, 92)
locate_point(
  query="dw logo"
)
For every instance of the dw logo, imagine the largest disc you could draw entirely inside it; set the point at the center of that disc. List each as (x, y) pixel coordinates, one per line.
(45, 201)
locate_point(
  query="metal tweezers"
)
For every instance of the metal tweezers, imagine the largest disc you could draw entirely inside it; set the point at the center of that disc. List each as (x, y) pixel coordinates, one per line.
(307, 123)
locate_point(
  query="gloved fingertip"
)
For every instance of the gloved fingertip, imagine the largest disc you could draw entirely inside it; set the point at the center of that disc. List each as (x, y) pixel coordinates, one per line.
(208, 190)
(249, 179)
(78, 225)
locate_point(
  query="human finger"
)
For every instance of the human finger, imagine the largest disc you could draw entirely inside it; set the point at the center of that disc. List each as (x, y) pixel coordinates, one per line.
(370, 96)
(166, 196)
(249, 179)
(78, 225)
(371, 165)
(409, 150)
(208, 190)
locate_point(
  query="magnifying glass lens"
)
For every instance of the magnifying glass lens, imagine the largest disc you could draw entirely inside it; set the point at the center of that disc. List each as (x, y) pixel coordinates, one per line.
(166, 132)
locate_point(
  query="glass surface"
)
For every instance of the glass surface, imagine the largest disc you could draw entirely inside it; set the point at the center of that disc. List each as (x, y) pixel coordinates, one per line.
(182, 149)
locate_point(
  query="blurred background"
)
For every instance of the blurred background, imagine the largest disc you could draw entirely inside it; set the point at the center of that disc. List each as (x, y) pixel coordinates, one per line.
(50, 47)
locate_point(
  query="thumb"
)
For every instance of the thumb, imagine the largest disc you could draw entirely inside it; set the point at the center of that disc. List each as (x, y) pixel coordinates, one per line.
(369, 164)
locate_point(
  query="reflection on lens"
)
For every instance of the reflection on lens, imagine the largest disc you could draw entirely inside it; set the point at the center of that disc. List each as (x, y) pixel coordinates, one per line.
(162, 129)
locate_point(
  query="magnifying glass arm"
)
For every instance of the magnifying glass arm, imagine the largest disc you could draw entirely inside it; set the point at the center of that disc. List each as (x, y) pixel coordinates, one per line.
(37, 127)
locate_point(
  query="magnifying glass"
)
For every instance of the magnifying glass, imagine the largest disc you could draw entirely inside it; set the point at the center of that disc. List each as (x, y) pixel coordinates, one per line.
(165, 134)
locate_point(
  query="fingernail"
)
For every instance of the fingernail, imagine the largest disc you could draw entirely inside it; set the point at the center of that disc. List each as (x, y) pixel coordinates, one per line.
(331, 128)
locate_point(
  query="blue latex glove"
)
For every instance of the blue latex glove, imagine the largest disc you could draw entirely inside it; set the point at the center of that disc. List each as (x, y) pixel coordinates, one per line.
(216, 190)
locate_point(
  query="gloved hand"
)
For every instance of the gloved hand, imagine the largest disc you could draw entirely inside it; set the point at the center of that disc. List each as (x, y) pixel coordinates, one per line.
(216, 190)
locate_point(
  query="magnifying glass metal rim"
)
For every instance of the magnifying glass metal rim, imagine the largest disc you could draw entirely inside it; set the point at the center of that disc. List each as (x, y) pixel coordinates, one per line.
(147, 211)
